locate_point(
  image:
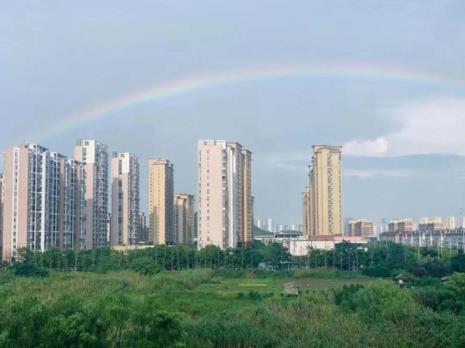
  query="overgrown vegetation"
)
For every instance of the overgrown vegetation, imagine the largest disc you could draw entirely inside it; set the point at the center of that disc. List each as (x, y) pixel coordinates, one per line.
(179, 297)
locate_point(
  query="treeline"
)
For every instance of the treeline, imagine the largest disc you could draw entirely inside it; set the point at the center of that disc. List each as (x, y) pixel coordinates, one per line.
(377, 259)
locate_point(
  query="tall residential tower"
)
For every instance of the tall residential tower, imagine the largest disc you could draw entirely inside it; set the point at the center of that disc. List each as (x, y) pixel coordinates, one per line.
(184, 218)
(94, 156)
(124, 226)
(323, 198)
(225, 207)
(161, 202)
(43, 205)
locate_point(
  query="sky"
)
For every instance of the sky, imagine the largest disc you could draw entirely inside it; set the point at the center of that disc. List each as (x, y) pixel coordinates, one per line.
(385, 79)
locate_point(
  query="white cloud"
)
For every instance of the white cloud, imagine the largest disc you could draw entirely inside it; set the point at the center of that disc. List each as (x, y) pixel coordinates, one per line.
(368, 174)
(433, 127)
(378, 146)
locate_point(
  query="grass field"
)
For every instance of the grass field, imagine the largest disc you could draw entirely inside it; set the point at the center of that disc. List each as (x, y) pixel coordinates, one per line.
(205, 308)
(192, 293)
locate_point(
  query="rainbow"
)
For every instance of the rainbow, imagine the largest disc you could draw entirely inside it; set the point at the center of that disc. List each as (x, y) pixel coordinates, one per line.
(196, 83)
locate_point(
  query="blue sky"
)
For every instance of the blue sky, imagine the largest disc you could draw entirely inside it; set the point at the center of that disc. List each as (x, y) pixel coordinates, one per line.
(404, 139)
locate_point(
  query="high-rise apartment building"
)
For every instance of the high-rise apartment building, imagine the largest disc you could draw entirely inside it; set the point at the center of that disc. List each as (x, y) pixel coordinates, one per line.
(124, 226)
(361, 228)
(324, 195)
(143, 231)
(184, 218)
(225, 204)
(451, 223)
(1, 211)
(161, 202)
(270, 225)
(44, 204)
(94, 156)
(247, 198)
(306, 201)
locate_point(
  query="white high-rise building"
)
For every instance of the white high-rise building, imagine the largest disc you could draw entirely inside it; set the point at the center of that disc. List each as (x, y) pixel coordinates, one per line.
(270, 225)
(94, 156)
(451, 223)
(124, 225)
(225, 204)
(43, 205)
(184, 218)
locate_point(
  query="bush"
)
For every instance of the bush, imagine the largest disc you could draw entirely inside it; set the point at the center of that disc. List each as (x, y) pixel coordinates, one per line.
(145, 266)
(435, 268)
(377, 271)
(382, 301)
(457, 263)
(28, 269)
(255, 296)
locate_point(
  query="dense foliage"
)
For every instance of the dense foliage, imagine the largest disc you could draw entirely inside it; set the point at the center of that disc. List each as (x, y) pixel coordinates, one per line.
(206, 308)
(376, 260)
(181, 297)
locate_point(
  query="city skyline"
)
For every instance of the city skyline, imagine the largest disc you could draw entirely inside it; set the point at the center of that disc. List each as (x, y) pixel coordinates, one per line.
(396, 105)
(459, 215)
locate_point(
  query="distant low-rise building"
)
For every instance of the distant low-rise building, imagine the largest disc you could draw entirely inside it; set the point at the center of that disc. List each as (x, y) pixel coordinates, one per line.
(401, 226)
(361, 228)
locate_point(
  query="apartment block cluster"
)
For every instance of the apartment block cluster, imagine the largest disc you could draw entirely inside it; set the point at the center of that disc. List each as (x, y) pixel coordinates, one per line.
(268, 225)
(431, 232)
(92, 201)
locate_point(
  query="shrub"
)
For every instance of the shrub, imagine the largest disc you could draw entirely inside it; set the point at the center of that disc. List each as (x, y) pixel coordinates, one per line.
(255, 296)
(29, 269)
(380, 271)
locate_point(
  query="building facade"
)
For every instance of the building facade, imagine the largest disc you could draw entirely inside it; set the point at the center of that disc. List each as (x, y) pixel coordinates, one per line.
(1, 212)
(225, 207)
(248, 199)
(94, 156)
(184, 219)
(401, 226)
(125, 199)
(324, 195)
(43, 204)
(143, 230)
(361, 228)
(161, 202)
(306, 201)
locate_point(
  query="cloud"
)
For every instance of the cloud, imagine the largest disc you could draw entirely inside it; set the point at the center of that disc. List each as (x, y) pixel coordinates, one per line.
(432, 127)
(368, 174)
(378, 146)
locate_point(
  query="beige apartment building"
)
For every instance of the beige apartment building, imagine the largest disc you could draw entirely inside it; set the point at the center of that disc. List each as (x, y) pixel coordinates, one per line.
(401, 226)
(184, 218)
(306, 201)
(124, 226)
(361, 228)
(248, 199)
(43, 201)
(161, 202)
(94, 156)
(225, 207)
(323, 204)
